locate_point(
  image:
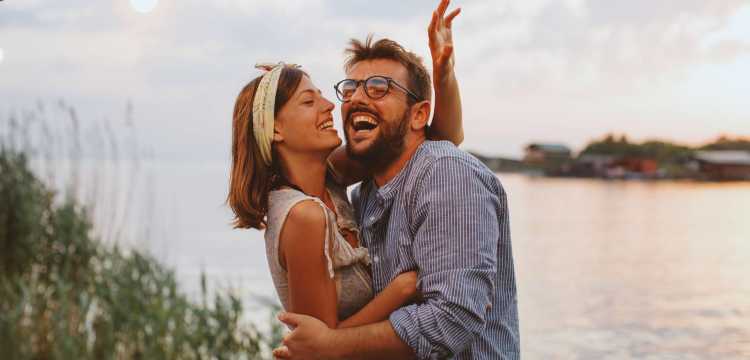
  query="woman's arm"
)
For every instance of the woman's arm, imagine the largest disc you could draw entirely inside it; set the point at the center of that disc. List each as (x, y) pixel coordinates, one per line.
(447, 123)
(301, 252)
(402, 290)
(311, 289)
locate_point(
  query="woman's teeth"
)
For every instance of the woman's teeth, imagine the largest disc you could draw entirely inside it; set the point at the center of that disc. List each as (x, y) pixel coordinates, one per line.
(327, 125)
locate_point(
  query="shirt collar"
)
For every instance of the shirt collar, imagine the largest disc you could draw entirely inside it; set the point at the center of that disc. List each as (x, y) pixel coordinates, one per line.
(386, 193)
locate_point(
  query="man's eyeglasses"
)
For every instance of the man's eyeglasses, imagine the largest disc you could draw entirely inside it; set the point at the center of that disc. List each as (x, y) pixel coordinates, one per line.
(375, 87)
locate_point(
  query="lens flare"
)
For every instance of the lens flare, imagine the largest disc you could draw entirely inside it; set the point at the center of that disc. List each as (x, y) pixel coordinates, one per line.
(144, 6)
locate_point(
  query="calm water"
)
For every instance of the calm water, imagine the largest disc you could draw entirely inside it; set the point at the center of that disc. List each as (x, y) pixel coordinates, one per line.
(614, 270)
(632, 270)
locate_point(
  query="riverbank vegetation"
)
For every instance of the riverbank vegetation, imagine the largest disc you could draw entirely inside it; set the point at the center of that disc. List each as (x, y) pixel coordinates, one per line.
(66, 293)
(660, 150)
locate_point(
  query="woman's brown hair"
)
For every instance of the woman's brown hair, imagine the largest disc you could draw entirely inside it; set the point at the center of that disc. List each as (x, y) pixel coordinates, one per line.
(250, 179)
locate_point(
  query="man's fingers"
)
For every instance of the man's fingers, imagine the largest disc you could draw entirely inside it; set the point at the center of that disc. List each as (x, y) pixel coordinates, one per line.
(433, 23)
(441, 8)
(285, 338)
(290, 319)
(451, 16)
(282, 352)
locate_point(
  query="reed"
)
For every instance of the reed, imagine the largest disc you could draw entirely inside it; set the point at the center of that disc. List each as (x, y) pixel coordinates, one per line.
(72, 290)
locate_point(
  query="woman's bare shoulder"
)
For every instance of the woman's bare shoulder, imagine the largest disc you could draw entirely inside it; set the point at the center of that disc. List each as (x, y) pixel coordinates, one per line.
(306, 213)
(304, 227)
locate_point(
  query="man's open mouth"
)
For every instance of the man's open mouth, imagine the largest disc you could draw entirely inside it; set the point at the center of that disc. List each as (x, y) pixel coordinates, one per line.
(363, 122)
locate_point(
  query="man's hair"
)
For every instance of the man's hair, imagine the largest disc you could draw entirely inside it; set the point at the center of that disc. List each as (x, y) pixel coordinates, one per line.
(419, 78)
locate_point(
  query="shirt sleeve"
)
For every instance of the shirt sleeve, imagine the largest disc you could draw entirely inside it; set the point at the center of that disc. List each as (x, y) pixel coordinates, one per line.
(455, 231)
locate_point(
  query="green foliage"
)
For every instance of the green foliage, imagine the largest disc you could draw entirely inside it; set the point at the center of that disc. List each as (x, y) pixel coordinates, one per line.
(653, 149)
(65, 295)
(24, 205)
(725, 143)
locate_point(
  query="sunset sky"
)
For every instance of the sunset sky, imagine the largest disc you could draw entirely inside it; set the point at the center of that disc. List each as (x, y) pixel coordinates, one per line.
(529, 70)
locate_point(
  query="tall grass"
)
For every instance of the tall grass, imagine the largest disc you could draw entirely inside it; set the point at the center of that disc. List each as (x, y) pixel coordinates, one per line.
(68, 288)
(98, 162)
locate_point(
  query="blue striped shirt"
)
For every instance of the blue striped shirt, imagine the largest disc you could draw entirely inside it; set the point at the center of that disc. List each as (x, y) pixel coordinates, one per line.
(446, 216)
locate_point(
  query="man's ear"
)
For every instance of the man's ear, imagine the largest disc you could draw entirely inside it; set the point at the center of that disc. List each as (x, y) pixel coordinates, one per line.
(420, 115)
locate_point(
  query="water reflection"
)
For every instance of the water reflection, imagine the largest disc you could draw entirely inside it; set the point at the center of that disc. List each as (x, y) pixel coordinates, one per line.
(631, 269)
(615, 270)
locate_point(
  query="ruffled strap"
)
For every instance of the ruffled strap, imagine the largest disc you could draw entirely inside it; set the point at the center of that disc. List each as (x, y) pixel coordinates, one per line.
(347, 256)
(345, 218)
(329, 234)
(344, 253)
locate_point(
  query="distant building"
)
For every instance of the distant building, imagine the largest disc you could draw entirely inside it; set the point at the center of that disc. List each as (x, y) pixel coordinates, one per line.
(639, 167)
(542, 153)
(615, 167)
(723, 164)
(552, 159)
(592, 165)
(500, 164)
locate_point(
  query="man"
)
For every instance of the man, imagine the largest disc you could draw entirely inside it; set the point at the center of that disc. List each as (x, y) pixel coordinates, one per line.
(428, 207)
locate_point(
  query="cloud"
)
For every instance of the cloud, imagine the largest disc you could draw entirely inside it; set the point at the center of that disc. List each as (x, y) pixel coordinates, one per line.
(59, 16)
(527, 68)
(598, 46)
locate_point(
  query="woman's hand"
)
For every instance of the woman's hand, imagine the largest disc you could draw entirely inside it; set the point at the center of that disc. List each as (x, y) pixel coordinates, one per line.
(407, 283)
(402, 290)
(441, 40)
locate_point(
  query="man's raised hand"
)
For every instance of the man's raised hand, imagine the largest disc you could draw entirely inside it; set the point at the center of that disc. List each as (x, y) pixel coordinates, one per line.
(441, 39)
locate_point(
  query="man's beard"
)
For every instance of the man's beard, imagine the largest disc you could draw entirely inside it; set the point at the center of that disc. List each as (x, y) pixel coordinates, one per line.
(386, 148)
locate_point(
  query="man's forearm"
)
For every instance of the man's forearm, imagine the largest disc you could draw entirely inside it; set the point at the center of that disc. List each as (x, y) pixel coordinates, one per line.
(370, 342)
(447, 123)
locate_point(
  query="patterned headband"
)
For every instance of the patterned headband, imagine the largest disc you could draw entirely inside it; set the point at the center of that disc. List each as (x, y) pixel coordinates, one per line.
(263, 107)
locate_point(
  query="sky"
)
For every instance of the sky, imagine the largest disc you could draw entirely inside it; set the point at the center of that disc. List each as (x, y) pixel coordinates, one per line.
(529, 70)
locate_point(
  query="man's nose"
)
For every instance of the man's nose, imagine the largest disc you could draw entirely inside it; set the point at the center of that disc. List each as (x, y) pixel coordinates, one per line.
(359, 96)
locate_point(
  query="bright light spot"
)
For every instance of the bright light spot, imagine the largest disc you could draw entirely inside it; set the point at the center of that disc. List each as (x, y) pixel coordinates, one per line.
(144, 6)
(2, 55)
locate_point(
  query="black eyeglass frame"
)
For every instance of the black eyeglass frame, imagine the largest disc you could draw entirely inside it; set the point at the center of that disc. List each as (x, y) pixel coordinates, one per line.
(389, 80)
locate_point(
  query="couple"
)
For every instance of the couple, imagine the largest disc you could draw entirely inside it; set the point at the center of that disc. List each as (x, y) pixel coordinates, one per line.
(419, 264)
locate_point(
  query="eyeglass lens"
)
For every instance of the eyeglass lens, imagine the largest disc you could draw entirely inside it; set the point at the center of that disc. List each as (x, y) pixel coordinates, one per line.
(375, 87)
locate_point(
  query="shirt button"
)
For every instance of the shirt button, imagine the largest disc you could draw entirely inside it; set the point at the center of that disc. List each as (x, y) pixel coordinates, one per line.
(375, 258)
(372, 218)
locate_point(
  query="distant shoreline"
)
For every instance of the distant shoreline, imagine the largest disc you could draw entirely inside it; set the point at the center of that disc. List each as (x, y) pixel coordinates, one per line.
(533, 175)
(616, 158)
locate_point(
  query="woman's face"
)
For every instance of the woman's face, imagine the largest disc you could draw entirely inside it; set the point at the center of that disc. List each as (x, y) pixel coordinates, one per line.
(305, 123)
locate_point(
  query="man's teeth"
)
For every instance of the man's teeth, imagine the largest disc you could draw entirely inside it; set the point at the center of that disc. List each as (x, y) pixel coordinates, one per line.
(364, 118)
(364, 123)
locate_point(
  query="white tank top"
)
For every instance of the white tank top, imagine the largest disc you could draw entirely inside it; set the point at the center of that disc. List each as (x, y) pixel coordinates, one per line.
(348, 266)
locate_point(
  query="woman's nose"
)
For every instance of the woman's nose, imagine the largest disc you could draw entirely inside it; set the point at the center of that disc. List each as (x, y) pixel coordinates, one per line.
(328, 105)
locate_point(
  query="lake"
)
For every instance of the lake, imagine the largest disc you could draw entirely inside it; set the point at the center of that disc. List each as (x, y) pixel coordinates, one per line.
(605, 269)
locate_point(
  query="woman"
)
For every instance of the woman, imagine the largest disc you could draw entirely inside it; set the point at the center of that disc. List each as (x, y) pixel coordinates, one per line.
(282, 181)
